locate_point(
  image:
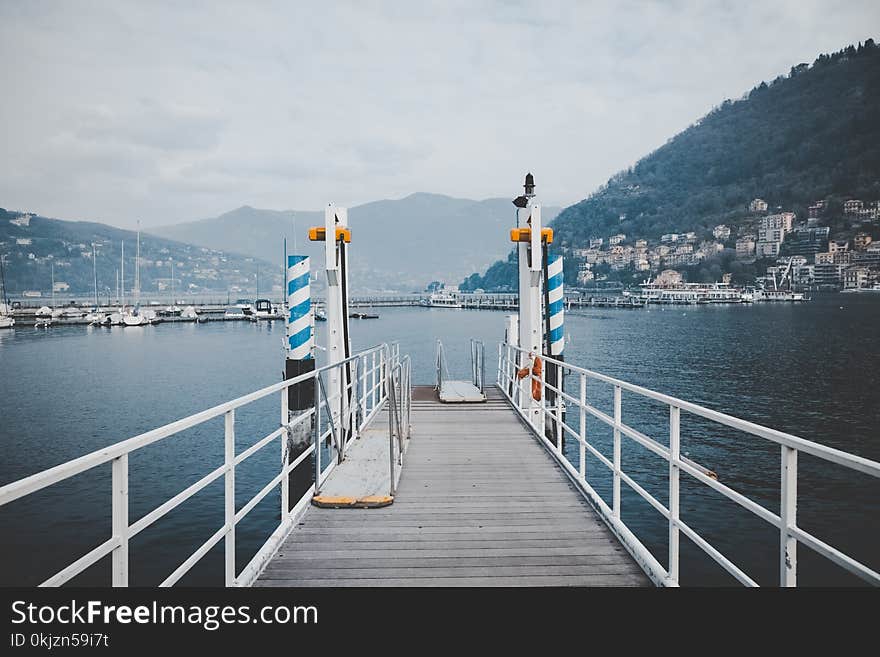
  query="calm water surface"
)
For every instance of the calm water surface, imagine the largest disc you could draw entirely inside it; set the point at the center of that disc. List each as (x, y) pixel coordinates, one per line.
(810, 369)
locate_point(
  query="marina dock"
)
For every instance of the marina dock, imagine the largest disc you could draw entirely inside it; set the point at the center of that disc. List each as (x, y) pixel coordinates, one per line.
(480, 503)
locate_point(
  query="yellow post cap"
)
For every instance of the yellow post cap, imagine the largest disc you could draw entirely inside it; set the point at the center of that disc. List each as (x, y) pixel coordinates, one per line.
(319, 234)
(525, 235)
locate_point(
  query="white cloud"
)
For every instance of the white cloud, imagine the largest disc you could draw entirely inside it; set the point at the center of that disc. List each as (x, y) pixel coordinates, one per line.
(127, 110)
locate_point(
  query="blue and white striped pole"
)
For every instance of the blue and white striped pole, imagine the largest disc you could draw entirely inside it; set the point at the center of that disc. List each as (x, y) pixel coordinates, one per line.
(299, 360)
(300, 342)
(557, 306)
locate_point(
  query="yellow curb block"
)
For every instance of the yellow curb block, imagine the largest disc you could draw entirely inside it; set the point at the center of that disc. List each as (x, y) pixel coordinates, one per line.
(338, 502)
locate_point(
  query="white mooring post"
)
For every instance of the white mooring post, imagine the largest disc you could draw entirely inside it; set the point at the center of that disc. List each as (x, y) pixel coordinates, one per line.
(337, 310)
(530, 273)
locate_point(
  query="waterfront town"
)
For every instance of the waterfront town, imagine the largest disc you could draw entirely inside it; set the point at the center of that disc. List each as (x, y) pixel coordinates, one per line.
(801, 253)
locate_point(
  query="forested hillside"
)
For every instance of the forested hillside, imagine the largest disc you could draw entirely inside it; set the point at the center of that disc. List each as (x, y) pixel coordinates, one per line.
(34, 246)
(811, 134)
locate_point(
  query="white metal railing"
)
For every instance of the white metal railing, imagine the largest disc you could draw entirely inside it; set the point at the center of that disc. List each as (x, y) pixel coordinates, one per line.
(367, 393)
(478, 364)
(512, 358)
(399, 387)
(441, 366)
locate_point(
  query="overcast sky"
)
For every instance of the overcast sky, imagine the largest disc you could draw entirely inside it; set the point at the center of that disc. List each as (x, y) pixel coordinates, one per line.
(116, 110)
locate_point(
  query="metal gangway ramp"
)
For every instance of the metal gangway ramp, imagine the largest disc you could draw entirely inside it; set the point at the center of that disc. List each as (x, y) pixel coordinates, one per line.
(480, 503)
(452, 391)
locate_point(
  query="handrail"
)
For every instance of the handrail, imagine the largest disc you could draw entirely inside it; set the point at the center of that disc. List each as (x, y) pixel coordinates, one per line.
(399, 404)
(478, 363)
(368, 391)
(537, 413)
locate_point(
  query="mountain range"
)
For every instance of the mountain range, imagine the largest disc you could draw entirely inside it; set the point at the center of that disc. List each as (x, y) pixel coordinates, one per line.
(35, 248)
(397, 245)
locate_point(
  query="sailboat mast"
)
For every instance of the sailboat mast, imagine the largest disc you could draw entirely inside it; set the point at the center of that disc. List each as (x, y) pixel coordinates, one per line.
(137, 263)
(52, 265)
(3, 281)
(172, 282)
(123, 275)
(95, 273)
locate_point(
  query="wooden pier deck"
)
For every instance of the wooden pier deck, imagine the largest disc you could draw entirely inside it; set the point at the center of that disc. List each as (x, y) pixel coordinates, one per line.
(480, 503)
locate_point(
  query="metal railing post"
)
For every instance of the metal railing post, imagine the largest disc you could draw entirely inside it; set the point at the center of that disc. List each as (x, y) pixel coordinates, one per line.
(498, 373)
(353, 404)
(229, 424)
(788, 516)
(482, 365)
(317, 434)
(617, 423)
(674, 458)
(285, 483)
(362, 365)
(390, 410)
(543, 404)
(408, 398)
(560, 432)
(119, 482)
(582, 463)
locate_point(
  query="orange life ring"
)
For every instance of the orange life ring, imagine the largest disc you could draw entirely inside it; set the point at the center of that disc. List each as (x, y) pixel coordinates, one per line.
(537, 367)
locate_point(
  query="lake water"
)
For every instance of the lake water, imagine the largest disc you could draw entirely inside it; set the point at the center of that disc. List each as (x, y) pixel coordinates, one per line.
(810, 369)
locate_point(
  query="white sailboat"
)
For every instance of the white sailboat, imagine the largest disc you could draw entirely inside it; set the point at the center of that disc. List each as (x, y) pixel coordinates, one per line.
(133, 317)
(6, 319)
(95, 317)
(173, 310)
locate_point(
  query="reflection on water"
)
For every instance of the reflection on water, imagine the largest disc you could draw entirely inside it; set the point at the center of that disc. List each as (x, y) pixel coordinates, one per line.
(809, 369)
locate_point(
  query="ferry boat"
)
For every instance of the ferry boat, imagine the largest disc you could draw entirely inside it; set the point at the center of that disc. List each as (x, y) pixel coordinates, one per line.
(782, 295)
(443, 300)
(690, 293)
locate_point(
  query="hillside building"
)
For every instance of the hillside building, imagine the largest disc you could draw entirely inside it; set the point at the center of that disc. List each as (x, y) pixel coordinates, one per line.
(758, 205)
(745, 247)
(827, 275)
(841, 257)
(853, 206)
(721, 232)
(772, 232)
(806, 241)
(856, 277)
(861, 241)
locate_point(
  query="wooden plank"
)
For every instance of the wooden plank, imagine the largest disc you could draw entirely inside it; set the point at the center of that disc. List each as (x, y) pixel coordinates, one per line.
(461, 548)
(489, 570)
(438, 558)
(583, 579)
